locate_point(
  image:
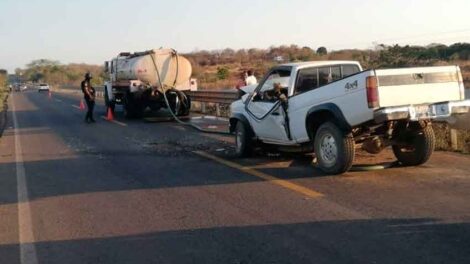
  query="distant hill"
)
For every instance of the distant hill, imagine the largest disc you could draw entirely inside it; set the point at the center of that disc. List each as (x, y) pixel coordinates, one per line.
(208, 64)
(219, 69)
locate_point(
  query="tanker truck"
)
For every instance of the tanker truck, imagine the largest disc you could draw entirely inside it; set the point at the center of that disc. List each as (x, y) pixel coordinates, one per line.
(152, 79)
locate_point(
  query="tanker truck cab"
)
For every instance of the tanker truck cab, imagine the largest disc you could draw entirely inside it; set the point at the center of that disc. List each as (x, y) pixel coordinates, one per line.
(329, 107)
(152, 79)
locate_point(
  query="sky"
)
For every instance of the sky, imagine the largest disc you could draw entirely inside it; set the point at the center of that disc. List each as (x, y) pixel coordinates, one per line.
(92, 31)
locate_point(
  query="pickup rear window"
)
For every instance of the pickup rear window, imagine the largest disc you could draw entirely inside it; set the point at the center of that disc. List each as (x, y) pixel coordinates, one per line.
(315, 77)
(349, 70)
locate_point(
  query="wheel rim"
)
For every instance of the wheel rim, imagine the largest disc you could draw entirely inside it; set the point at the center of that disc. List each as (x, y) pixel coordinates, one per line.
(238, 140)
(177, 104)
(328, 150)
(175, 108)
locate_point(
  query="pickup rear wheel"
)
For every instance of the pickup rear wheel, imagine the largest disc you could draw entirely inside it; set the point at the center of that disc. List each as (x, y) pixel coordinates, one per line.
(243, 142)
(416, 144)
(334, 149)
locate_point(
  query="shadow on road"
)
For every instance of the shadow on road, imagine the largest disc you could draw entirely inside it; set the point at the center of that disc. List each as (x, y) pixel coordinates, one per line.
(362, 241)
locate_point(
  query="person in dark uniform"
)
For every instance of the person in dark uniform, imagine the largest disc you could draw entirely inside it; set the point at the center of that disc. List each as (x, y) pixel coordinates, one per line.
(89, 95)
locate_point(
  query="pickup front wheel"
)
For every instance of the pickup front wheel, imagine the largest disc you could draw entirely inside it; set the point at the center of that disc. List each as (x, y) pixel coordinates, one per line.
(334, 149)
(243, 144)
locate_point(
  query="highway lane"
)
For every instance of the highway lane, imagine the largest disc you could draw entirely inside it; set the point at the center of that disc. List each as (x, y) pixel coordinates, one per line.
(107, 193)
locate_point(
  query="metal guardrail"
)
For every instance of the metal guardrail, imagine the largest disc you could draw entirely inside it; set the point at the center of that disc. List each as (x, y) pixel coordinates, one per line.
(220, 97)
(208, 96)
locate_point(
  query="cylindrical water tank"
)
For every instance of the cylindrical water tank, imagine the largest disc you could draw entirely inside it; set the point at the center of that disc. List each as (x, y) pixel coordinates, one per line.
(173, 69)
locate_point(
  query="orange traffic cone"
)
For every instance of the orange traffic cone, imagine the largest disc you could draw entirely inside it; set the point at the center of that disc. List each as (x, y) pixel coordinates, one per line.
(110, 116)
(82, 105)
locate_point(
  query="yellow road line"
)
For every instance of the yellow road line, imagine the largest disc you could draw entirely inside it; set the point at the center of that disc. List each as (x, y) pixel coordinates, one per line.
(114, 121)
(283, 183)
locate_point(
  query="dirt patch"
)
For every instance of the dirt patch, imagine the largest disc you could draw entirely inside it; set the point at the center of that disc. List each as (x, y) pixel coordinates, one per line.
(211, 109)
(443, 138)
(185, 146)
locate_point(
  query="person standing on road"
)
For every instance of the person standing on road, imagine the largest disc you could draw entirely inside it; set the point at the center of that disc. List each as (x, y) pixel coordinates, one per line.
(251, 79)
(241, 83)
(89, 95)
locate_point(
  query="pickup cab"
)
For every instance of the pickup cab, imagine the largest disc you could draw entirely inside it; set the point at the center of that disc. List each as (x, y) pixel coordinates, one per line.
(330, 107)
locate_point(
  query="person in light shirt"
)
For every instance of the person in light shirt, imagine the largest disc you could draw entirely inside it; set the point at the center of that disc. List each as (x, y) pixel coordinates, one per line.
(251, 79)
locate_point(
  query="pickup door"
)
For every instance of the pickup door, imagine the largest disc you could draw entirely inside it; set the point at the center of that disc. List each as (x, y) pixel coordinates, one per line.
(412, 86)
(266, 114)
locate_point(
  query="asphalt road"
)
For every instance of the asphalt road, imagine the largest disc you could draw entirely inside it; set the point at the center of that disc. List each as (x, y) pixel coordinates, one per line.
(136, 192)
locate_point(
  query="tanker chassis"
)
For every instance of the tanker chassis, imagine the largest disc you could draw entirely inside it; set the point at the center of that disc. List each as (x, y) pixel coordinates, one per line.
(152, 79)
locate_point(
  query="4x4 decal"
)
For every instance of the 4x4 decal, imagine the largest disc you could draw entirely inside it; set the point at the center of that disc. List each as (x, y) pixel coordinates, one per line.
(351, 86)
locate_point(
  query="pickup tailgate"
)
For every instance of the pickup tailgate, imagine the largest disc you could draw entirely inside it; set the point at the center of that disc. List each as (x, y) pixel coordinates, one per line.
(412, 86)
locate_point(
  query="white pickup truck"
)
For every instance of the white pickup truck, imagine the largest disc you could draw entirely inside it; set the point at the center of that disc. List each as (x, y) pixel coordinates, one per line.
(329, 107)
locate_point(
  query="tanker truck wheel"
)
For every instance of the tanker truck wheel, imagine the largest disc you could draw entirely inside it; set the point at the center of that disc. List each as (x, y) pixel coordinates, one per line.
(180, 104)
(108, 103)
(132, 107)
(186, 103)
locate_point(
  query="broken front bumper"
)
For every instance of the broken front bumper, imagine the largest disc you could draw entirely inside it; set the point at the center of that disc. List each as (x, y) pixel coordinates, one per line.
(422, 112)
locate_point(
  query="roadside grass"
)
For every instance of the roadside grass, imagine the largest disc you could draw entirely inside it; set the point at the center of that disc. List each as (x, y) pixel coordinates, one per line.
(3, 96)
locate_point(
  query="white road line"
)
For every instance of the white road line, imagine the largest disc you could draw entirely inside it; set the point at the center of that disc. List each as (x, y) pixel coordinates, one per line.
(210, 118)
(77, 107)
(114, 121)
(58, 100)
(25, 227)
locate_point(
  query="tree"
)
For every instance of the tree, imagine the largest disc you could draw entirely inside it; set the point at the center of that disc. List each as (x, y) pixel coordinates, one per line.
(54, 73)
(222, 73)
(42, 63)
(3, 78)
(322, 51)
(306, 54)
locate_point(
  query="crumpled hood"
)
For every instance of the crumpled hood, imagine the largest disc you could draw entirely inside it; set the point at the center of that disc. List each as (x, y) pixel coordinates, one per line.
(249, 89)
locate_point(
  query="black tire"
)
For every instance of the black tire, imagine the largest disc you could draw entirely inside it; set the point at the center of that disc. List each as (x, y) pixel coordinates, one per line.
(108, 103)
(418, 144)
(186, 104)
(132, 107)
(180, 103)
(334, 149)
(243, 141)
(127, 109)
